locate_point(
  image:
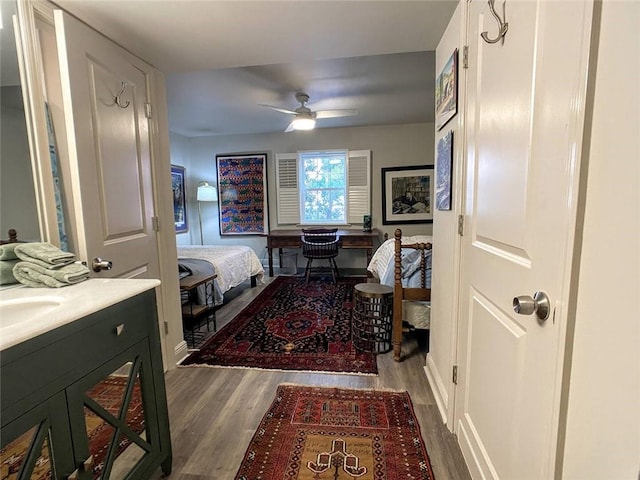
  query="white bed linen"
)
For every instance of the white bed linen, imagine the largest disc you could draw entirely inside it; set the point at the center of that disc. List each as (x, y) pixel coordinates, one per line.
(382, 262)
(382, 267)
(233, 264)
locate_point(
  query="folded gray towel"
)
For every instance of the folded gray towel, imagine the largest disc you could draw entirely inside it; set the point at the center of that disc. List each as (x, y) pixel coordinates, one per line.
(6, 272)
(34, 275)
(44, 254)
(7, 251)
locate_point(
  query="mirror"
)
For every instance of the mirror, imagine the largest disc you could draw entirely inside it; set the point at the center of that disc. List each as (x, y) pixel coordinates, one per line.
(18, 208)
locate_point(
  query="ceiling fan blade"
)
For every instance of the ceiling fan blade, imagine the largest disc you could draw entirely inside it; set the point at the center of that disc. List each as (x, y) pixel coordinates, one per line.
(278, 109)
(335, 113)
(289, 128)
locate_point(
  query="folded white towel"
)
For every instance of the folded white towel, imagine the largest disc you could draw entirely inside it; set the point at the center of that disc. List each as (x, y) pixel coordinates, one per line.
(44, 254)
(34, 275)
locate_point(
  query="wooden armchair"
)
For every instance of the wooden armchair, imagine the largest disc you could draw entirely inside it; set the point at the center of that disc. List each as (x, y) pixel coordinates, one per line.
(319, 244)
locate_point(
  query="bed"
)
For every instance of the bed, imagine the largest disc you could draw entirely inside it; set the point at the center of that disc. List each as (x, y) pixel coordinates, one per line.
(404, 263)
(234, 264)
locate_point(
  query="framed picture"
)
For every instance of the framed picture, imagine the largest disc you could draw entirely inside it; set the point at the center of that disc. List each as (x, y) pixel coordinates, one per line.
(407, 194)
(179, 199)
(242, 194)
(447, 91)
(444, 163)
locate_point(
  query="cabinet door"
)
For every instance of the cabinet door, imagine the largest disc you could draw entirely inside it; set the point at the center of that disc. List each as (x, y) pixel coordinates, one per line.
(37, 444)
(113, 417)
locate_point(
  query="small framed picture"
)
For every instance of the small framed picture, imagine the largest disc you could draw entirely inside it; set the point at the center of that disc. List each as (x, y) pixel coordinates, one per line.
(444, 163)
(447, 91)
(407, 194)
(179, 198)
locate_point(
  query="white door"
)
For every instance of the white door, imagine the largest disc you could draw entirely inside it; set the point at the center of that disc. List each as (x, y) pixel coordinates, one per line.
(524, 127)
(108, 137)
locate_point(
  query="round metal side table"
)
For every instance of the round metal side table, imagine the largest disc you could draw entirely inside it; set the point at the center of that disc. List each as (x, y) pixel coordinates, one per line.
(372, 317)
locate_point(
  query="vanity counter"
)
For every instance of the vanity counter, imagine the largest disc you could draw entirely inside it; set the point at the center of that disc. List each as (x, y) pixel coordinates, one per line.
(28, 312)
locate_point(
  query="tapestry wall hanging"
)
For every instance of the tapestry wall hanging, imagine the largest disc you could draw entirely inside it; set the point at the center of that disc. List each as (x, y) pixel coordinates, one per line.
(242, 193)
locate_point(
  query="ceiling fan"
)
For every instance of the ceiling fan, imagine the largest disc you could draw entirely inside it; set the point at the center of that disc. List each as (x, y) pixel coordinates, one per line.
(305, 118)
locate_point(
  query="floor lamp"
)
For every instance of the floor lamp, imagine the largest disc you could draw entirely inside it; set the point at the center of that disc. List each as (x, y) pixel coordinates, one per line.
(206, 193)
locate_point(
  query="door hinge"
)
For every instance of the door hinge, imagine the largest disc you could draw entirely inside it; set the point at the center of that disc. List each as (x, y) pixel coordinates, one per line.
(461, 225)
(155, 224)
(465, 57)
(454, 375)
(166, 328)
(147, 110)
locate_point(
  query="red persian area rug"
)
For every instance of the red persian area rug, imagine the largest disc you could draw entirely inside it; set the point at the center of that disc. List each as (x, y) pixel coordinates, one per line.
(314, 433)
(291, 325)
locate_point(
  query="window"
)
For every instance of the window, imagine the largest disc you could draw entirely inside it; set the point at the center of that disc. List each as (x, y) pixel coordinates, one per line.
(323, 187)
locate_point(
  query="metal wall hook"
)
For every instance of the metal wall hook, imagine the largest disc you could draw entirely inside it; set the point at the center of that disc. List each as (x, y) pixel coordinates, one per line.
(117, 99)
(503, 26)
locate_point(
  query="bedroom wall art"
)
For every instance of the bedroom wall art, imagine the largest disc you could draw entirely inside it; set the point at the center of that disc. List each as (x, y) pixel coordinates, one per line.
(242, 194)
(447, 91)
(443, 172)
(179, 198)
(407, 194)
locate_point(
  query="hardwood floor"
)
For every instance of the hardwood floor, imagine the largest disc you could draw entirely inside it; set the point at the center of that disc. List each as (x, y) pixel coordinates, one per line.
(214, 412)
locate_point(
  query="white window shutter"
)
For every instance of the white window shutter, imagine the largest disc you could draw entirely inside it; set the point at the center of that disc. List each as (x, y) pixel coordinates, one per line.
(359, 185)
(287, 190)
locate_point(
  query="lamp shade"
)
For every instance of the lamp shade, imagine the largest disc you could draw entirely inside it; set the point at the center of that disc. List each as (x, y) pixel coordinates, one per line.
(207, 193)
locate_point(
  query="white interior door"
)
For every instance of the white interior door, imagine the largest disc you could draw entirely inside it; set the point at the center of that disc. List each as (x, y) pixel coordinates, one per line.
(108, 138)
(524, 125)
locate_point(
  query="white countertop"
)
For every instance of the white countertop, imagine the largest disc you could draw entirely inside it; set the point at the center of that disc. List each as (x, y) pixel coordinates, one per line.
(27, 312)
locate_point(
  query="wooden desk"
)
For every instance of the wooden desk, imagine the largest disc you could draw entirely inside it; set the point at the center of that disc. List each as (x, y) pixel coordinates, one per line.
(348, 239)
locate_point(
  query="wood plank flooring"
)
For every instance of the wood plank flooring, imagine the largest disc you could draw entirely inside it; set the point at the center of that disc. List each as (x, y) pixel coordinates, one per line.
(214, 412)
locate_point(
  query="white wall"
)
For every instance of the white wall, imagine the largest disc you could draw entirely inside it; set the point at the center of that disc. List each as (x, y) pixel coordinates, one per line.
(603, 411)
(446, 243)
(392, 145)
(17, 194)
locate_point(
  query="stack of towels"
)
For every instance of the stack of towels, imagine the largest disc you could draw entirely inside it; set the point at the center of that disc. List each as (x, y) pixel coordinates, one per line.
(40, 265)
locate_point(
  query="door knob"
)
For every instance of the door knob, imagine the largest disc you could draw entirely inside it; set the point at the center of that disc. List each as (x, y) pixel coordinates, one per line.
(99, 264)
(539, 304)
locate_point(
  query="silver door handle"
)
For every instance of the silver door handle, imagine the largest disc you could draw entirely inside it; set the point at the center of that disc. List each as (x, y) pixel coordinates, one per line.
(99, 264)
(539, 304)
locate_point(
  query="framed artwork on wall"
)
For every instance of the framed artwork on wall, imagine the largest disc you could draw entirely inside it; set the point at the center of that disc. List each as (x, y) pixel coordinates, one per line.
(407, 194)
(242, 194)
(447, 91)
(179, 198)
(443, 172)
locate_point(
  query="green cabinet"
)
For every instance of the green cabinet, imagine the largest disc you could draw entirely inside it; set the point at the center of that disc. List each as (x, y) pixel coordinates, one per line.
(87, 400)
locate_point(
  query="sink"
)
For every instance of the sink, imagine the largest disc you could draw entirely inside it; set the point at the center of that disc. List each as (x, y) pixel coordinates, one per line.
(15, 310)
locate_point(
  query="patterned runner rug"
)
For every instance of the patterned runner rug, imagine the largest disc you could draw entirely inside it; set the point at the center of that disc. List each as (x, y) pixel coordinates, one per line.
(291, 325)
(313, 433)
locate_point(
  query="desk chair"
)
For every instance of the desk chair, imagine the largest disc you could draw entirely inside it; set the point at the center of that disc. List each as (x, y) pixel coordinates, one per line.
(320, 243)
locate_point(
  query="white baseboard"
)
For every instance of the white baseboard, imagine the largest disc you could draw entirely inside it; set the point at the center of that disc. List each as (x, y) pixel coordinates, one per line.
(180, 351)
(437, 387)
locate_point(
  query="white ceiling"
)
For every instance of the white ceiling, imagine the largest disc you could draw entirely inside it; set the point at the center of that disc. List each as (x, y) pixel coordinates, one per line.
(224, 58)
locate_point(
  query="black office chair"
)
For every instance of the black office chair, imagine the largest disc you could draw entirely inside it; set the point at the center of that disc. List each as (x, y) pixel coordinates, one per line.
(317, 244)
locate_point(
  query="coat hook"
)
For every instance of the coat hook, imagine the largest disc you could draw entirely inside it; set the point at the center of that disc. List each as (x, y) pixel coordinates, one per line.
(503, 26)
(117, 99)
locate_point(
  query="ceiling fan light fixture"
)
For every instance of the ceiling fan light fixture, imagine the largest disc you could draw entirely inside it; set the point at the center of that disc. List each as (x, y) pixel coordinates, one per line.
(304, 123)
